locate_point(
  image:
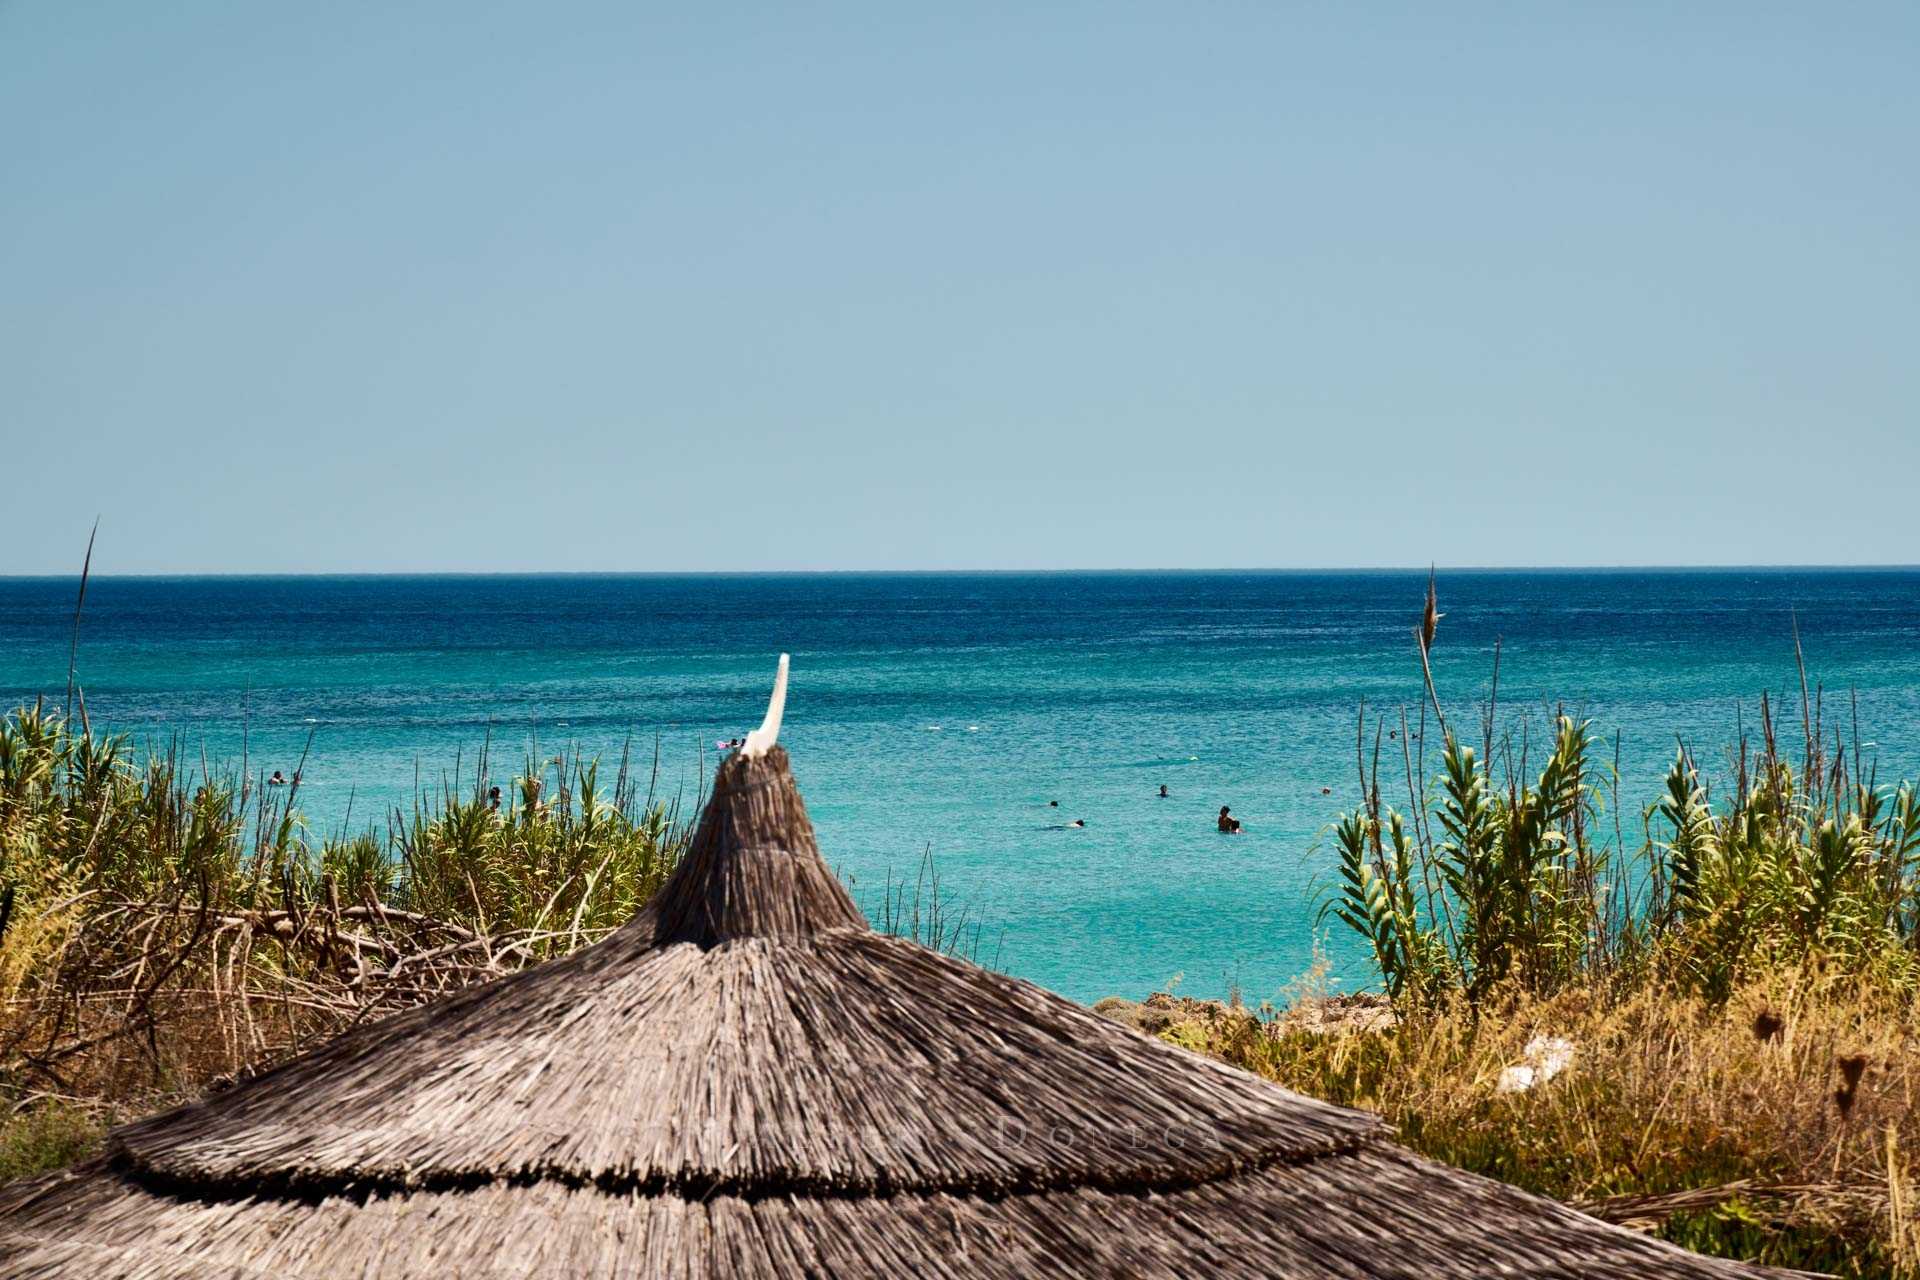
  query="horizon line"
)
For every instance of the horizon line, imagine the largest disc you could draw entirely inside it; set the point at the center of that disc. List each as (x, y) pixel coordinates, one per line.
(162, 574)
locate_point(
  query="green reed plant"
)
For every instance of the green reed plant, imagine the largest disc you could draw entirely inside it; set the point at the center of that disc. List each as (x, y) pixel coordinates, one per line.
(585, 859)
(163, 924)
(1512, 888)
(79, 816)
(1489, 883)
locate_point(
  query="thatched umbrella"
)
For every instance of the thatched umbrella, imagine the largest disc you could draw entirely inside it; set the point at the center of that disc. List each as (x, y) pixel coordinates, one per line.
(746, 1080)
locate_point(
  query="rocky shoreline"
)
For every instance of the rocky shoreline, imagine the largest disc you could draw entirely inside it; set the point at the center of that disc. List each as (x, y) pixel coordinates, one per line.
(1316, 1015)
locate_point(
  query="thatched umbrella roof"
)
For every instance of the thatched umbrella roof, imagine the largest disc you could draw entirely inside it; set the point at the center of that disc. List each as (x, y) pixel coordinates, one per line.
(746, 1080)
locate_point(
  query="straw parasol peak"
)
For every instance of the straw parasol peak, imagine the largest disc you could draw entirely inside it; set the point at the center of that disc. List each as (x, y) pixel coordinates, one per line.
(747, 1080)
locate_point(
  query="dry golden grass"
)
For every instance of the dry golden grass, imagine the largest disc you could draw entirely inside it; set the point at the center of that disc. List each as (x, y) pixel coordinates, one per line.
(1729, 1127)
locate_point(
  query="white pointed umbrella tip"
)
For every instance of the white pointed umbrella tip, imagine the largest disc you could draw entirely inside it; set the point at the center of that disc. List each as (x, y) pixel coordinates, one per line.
(769, 731)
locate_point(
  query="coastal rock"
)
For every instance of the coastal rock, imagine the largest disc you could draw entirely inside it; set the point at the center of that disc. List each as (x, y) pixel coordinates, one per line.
(1338, 1015)
(1363, 1011)
(1159, 1011)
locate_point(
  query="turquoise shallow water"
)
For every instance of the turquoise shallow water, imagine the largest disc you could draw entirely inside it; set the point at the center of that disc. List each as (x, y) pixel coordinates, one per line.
(944, 711)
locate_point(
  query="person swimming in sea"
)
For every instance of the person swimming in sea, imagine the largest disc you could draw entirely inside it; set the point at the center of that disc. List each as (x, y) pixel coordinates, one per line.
(276, 780)
(493, 799)
(1163, 792)
(1078, 824)
(1229, 825)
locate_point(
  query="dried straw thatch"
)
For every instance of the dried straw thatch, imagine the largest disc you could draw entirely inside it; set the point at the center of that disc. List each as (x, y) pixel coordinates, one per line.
(748, 1081)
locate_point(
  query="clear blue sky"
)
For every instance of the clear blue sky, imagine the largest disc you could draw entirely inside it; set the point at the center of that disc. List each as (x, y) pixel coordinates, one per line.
(291, 287)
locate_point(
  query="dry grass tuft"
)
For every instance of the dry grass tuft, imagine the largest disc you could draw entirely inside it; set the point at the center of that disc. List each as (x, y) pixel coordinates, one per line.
(164, 929)
(1777, 1125)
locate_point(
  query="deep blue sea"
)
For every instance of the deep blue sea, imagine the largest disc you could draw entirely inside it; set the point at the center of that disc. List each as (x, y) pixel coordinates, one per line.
(945, 711)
